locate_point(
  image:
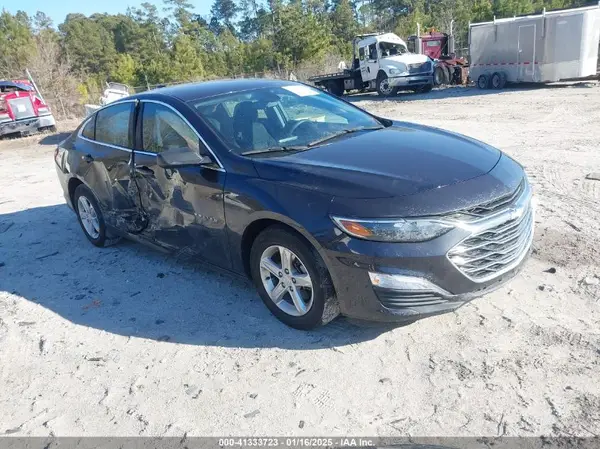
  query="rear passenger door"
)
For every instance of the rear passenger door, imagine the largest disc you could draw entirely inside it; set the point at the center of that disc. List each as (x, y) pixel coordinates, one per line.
(105, 150)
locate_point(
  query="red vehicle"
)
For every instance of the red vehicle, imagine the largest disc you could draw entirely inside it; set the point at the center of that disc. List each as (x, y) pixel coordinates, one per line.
(440, 47)
(22, 109)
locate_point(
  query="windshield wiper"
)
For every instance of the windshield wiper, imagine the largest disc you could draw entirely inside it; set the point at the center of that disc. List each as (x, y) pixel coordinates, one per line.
(274, 150)
(341, 133)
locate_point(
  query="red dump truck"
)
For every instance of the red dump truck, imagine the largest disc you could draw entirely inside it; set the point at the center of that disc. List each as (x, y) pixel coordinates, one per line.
(22, 109)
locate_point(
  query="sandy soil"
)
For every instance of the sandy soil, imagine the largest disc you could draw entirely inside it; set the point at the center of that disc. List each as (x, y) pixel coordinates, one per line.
(127, 341)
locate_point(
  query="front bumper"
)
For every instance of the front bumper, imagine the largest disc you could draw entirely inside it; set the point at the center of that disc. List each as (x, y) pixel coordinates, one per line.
(395, 282)
(411, 80)
(27, 125)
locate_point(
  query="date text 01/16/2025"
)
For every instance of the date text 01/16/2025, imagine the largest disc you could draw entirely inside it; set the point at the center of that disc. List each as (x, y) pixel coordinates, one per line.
(296, 442)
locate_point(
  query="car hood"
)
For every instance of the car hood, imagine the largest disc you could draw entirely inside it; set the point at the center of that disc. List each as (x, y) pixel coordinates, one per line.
(403, 159)
(406, 58)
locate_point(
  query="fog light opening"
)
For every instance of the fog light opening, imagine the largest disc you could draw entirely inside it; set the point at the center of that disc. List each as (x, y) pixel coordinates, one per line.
(406, 283)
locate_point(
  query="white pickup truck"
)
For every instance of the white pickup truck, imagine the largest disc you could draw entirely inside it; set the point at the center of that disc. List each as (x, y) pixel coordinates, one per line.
(383, 63)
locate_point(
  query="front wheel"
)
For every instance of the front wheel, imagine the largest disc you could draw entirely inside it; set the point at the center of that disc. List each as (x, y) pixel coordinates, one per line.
(439, 76)
(292, 279)
(384, 88)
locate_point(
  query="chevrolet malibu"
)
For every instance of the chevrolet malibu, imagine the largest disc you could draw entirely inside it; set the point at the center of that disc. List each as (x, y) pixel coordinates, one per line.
(327, 208)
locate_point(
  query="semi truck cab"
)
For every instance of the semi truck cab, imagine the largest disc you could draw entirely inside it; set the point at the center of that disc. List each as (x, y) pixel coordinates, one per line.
(387, 65)
(383, 63)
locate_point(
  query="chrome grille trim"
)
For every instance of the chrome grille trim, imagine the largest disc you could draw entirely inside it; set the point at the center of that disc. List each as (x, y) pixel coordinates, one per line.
(492, 207)
(499, 243)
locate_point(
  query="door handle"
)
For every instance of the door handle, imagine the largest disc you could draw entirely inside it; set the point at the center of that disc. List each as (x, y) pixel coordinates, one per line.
(143, 169)
(88, 158)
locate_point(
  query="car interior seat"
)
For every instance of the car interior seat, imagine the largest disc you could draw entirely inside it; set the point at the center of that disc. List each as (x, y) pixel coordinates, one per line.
(249, 132)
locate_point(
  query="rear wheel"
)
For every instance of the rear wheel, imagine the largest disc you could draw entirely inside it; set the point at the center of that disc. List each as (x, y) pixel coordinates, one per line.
(449, 74)
(335, 87)
(503, 80)
(89, 215)
(483, 82)
(292, 279)
(384, 88)
(498, 81)
(424, 89)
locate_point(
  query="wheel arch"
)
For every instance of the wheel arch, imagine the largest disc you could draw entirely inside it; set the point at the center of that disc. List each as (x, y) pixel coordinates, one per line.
(262, 222)
(72, 185)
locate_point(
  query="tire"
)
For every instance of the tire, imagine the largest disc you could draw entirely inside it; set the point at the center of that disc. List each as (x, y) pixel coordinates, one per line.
(496, 81)
(449, 71)
(503, 80)
(439, 76)
(83, 197)
(483, 82)
(322, 306)
(424, 89)
(335, 88)
(383, 87)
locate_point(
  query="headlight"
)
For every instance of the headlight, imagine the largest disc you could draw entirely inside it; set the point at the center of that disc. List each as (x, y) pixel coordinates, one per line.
(400, 230)
(396, 70)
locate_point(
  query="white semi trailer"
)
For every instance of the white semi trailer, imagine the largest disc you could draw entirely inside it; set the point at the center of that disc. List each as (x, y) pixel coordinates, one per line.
(548, 47)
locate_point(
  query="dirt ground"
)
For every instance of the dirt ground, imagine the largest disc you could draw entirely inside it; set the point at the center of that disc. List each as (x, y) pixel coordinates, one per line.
(127, 341)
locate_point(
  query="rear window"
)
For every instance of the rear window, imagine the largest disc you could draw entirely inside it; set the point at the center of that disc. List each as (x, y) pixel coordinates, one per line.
(88, 129)
(112, 125)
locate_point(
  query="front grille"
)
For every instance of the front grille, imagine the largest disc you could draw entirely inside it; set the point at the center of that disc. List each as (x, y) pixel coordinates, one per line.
(490, 208)
(494, 251)
(421, 67)
(21, 107)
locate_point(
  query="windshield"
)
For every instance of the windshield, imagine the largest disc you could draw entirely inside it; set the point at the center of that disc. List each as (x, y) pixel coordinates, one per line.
(285, 117)
(391, 49)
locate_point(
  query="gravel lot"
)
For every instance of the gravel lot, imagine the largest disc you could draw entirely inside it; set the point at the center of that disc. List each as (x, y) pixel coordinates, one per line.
(127, 341)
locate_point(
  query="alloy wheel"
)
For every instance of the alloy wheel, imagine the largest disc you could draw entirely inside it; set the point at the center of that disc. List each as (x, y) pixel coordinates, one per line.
(89, 217)
(286, 280)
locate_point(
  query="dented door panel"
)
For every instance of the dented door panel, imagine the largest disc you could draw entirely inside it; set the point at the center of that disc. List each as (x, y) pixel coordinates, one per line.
(184, 209)
(107, 171)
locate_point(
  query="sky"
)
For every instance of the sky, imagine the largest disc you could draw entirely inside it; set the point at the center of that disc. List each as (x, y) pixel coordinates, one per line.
(58, 9)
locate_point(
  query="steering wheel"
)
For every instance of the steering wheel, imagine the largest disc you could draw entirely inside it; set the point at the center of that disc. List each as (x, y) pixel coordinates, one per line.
(298, 124)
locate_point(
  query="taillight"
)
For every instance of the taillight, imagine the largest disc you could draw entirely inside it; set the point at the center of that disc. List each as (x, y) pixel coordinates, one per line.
(41, 107)
(2, 105)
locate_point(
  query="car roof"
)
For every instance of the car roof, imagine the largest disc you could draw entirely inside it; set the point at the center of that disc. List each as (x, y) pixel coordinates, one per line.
(207, 89)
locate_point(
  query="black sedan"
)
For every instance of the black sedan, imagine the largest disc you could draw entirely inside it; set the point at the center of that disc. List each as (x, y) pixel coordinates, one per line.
(328, 209)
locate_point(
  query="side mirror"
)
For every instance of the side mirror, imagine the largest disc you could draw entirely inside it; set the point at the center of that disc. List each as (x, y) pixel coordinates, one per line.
(181, 157)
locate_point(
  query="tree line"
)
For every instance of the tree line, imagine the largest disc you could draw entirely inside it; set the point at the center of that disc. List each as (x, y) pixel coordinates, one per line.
(170, 42)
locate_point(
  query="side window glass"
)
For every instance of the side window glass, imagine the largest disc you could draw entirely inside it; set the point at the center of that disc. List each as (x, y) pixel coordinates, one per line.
(163, 129)
(361, 53)
(88, 129)
(373, 51)
(112, 125)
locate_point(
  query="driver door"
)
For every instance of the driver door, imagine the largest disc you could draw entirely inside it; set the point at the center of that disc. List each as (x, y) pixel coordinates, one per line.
(370, 65)
(184, 205)
(363, 57)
